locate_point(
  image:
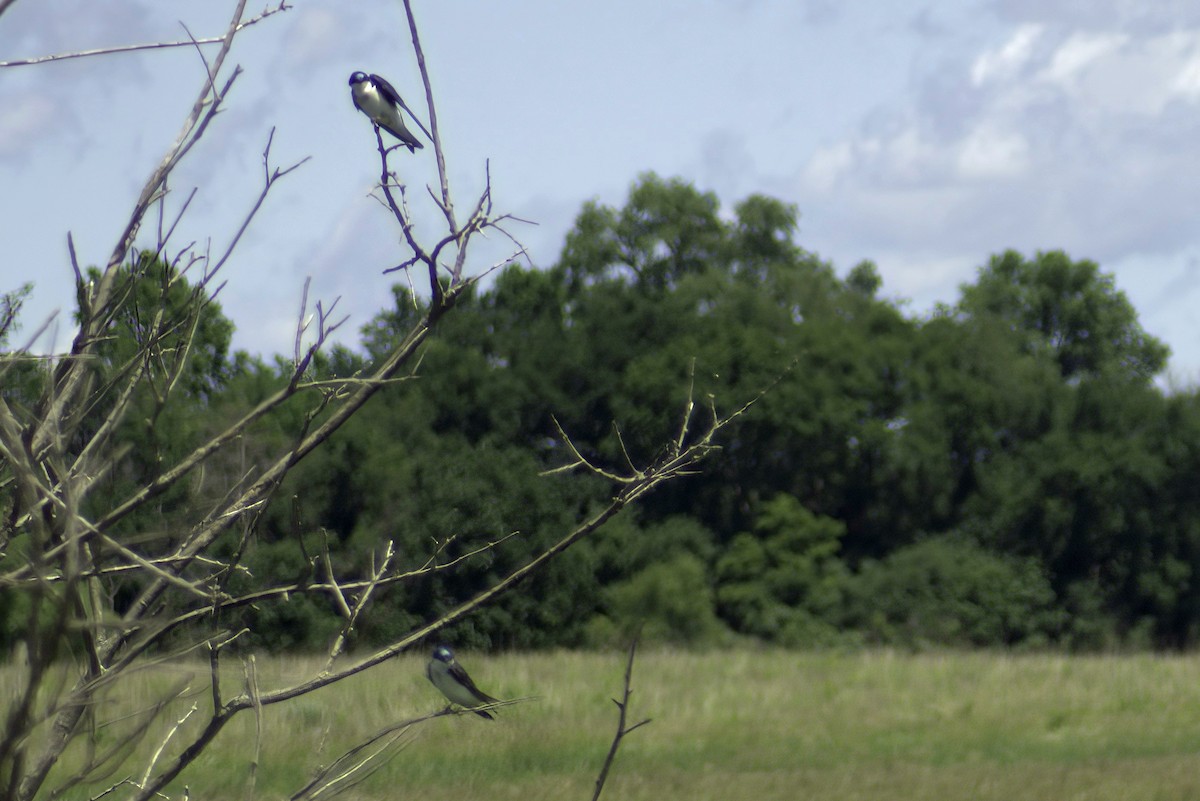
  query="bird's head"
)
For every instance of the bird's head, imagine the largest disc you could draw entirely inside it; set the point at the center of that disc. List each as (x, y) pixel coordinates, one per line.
(357, 77)
(443, 654)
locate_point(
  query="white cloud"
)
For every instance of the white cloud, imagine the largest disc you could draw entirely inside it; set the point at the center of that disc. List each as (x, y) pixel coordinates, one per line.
(1078, 52)
(1009, 58)
(1078, 137)
(1187, 82)
(1187, 76)
(1104, 74)
(828, 165)
(989, 151)
(1052, 135)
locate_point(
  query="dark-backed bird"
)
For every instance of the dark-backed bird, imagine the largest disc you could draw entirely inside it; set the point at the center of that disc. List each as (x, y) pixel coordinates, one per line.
(380, 101)
(454, 683)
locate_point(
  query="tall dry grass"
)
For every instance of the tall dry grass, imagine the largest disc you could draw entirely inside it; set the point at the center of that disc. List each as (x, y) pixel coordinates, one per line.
(732, 724)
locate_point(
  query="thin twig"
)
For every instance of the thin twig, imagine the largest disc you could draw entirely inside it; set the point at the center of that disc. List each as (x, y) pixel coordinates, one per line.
(338, 596)
(376, 577)
(622, 730)
(104, 51)
(447, 205)
(72, 377)
(350, 768)
(162, 745)
(250, 672)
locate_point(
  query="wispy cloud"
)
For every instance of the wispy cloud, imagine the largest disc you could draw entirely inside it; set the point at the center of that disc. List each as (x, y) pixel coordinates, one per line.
(24, 122)
(1055, 137)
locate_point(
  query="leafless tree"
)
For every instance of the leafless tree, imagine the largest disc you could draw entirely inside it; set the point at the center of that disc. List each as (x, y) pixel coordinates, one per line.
(61, 553)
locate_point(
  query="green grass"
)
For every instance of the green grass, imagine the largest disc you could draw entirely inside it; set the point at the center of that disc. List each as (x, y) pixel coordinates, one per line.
(740, 724)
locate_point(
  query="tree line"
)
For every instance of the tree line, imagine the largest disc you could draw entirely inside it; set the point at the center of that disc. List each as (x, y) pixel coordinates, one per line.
(1001, 471)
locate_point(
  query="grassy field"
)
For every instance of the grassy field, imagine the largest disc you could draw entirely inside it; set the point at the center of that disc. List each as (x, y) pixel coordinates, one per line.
(743, 724)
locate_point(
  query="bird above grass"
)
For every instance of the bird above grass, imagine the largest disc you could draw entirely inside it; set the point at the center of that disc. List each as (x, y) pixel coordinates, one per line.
(454, 683)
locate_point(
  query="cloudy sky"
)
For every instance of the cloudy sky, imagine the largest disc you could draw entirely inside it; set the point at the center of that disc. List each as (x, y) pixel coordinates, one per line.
(924, 138)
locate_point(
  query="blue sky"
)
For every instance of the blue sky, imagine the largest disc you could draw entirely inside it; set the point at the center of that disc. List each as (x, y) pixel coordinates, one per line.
(922, 136)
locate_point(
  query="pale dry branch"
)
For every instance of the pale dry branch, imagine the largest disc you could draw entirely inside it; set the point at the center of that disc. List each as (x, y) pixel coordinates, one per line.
(376, 576)
(72, 379)
(458, 236)
(303, 318)
(160, 628)
(447, 204)
(338, 597)
(109, 791)
(360, 761)
(95, 766)
(633, 471)
(665, 470)
(26, 575)
(302, 357)
(105, 51)
(23, 350)
(198, 456)
(55, 491)
(654, 476)
(214, 674)
(579, 459)
(152, 569)
(163, 744)
(689, 407)
(250, 673)
(399, 210)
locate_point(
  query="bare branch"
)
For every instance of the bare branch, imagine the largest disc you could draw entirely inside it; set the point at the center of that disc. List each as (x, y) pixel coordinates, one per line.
(375, 579)
(250, 671)
(270, 176)
(361, 760)
(400, 212)
(104, 51)
(281, 592)
(72, 377)
(655, 475)
(162, 745)
(302, 359)
(54, 421)
(447, 204)
(689, 407)
(580, 460)
(5, 5)
(622, 730)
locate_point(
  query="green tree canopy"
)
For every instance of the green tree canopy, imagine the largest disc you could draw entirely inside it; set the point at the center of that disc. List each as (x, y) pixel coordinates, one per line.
(1069, 309)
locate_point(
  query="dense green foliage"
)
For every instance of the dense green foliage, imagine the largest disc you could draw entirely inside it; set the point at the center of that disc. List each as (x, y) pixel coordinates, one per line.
(1000, 472)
